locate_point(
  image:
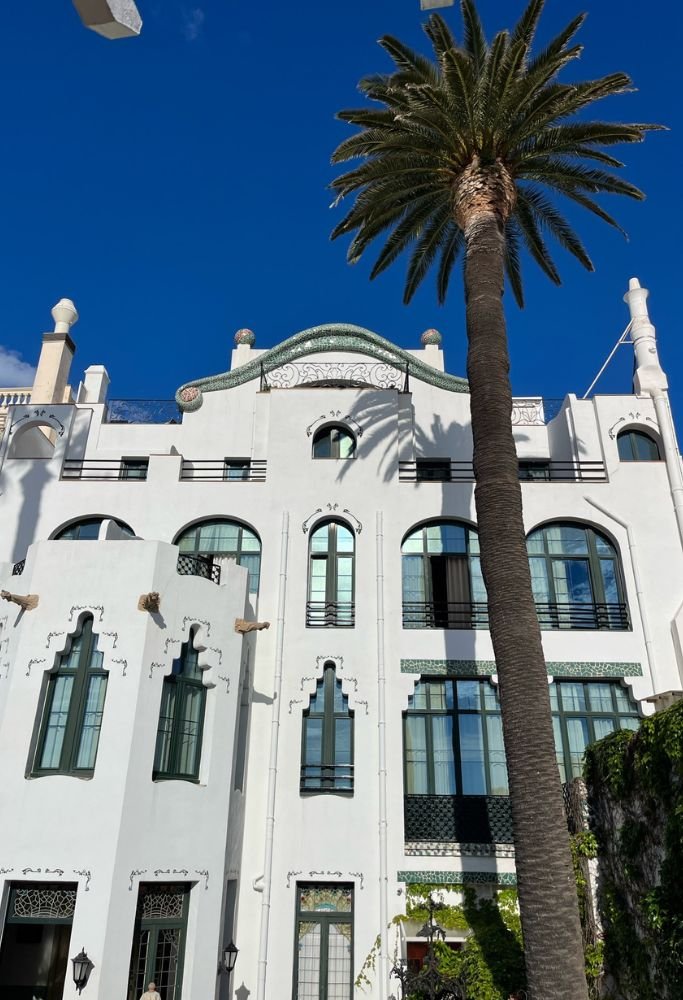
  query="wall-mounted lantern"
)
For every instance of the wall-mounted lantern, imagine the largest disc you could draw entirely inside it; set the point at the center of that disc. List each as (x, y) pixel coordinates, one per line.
(82, 969)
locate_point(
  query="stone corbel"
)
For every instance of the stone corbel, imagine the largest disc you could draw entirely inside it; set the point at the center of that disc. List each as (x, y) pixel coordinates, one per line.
(27, 603)
(243, 626)
(150, 602)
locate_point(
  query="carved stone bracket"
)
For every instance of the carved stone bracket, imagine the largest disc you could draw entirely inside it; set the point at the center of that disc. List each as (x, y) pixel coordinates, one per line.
(244, 627)
(26, 603)
(150, 602)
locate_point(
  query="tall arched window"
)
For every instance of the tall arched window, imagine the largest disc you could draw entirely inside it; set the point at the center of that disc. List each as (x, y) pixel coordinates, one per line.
(181, 718)
(576, 578)
(442, 582)
(230, 539)
(327, 738)
(334, 441)
(637, 446)
(331, 576)
(72, 709)
(88, 529)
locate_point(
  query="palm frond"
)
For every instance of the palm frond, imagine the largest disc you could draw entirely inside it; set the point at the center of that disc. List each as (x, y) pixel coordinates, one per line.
(426, 250)
(528, 22)
(534, 242)
(475, 40)
(547, 216)
(450, 251)
(513, 266)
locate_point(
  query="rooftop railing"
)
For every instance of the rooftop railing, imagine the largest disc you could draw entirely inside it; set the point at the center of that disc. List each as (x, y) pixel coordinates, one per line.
(143, 411)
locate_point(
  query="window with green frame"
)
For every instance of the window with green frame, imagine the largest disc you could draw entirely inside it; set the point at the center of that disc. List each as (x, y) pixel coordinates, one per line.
(229, 539)
(181, 718)
(323, 947)
(159, 940)
(331, 576)
(327, 738)
(583, 712)
(72, 708)
(453, 739)
(637, 446)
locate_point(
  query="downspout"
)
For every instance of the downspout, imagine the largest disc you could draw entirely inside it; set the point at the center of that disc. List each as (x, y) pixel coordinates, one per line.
(266, 878)
(382, 774)
(640, 594)
(650, 380)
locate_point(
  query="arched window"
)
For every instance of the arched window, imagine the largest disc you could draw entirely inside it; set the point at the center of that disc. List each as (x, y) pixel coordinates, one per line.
(331, 576)
(576, 578)
(72, 708)
(181, 718)
(442, 582)
(228, 539)
(637, 446)
(334, 441)
(88, 529)
(327, 738)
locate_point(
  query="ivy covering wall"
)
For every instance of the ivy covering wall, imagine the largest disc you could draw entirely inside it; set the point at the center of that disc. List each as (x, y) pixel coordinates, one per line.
(635, 793)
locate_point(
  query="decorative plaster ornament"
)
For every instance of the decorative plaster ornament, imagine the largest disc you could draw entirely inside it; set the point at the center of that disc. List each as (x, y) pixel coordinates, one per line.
(245, 336)
(431, 336)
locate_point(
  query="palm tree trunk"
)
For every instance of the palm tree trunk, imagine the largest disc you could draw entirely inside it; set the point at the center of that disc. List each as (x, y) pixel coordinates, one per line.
(547, 892)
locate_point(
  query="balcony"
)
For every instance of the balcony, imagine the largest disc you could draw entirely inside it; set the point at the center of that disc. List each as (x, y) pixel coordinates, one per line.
(330, 614)
(199, 566)
(105, 469)
(475, 615)
(226, 470)
(18, 568)
(440, 470)
(463, 819)
(326, 778)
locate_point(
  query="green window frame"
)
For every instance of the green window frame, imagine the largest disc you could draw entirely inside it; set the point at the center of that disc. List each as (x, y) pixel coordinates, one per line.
(134, 468)
(334, 441)
(453, 739)
(72, 709)
(331, 576)
(637, 446)
(583, 712)
(327, 738)
(159, 936)
(178, 748)
(88, 529)
(443, 586)
(323, 942)
(576, 577)
(236, 469)
(227, 538)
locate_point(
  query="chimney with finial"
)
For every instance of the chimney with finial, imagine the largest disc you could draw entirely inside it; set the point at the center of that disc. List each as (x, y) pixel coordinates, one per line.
(52, 375)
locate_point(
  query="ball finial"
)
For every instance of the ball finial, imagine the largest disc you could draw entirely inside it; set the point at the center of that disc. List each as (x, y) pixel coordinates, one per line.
(245, 336)
(431, 336)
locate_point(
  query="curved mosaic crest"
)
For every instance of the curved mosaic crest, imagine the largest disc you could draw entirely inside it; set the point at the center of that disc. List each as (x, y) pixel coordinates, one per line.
(317, 340)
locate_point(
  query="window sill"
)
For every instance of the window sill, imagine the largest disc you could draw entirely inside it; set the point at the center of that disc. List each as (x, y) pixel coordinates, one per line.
(81, 775)
(175, 777)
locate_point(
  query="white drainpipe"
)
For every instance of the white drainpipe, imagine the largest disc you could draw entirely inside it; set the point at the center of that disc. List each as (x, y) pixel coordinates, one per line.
(382, 751)
(266, 878)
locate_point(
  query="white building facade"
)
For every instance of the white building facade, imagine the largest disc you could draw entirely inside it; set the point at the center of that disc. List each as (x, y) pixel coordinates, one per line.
(174, 775)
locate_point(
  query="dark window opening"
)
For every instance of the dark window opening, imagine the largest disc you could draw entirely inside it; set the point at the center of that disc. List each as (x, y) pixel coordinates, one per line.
(334, 441)
(327, 738)
(637, 446)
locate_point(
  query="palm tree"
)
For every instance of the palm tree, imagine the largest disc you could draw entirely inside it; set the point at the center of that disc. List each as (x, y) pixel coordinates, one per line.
(459, 156)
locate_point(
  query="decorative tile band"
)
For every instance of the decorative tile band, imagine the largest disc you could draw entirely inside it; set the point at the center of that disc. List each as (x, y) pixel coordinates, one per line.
(556, 668)
(451, 849)
(457, 878)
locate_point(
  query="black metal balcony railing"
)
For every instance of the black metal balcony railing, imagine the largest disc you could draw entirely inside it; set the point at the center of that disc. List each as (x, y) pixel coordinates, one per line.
(577, 615)
(18, 568)
(463, 819)
(220, 470)
(199, 566)
(445, 614)
(103, 469)
(330, 614)
(465, 615)
(326, 778)
(442, 471)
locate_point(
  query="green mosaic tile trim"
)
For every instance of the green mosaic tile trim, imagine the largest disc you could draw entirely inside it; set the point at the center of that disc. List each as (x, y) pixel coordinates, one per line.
(556, 668)
(317, 340)
(457, 878)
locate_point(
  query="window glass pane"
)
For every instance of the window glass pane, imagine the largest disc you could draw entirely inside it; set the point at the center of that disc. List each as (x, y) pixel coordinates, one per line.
(454, 538)
(629, 723)
(313, 741)
(572, 582)
(539, 579)
(344, 579)
(344, 539)
(416, 755)
(437, 695)
(339, 962)
(56, 723)
(603, 727)
(609, 581)
(308, 964)
(491, 696)
(414, 542)
(603, 547)
(624, 703)
(564, 539)
(554, 703)
(322, 444)
(473, 540)
(218, 537)
(559, 748)
(573, 696)
(577, 733)
(162, 761)
(319, 538)
(189, 731)
(342, 753)
(318, 580)
(498, 772)
(600, 697)
(472, 755)
(96, 658)
(443, 759)
(347, 445)
(250, 542)
(253, 564)
(535, 544)
(341, 702)
(92, 722)
(413, 579)
(645, 448)
(477, 581)
(189, 661)
(418, 699)
(625, 447)
(468, 695)
(87, 530)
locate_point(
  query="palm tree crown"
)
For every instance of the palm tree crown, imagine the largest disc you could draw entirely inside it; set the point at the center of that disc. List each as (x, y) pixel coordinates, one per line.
(482, 121)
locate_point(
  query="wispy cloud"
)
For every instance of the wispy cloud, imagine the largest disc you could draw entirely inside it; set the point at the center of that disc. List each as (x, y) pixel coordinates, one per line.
(193, 22)
(13, 370)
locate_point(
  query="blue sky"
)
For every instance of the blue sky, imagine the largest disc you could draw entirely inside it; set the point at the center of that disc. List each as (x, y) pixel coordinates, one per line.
(175, 186)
